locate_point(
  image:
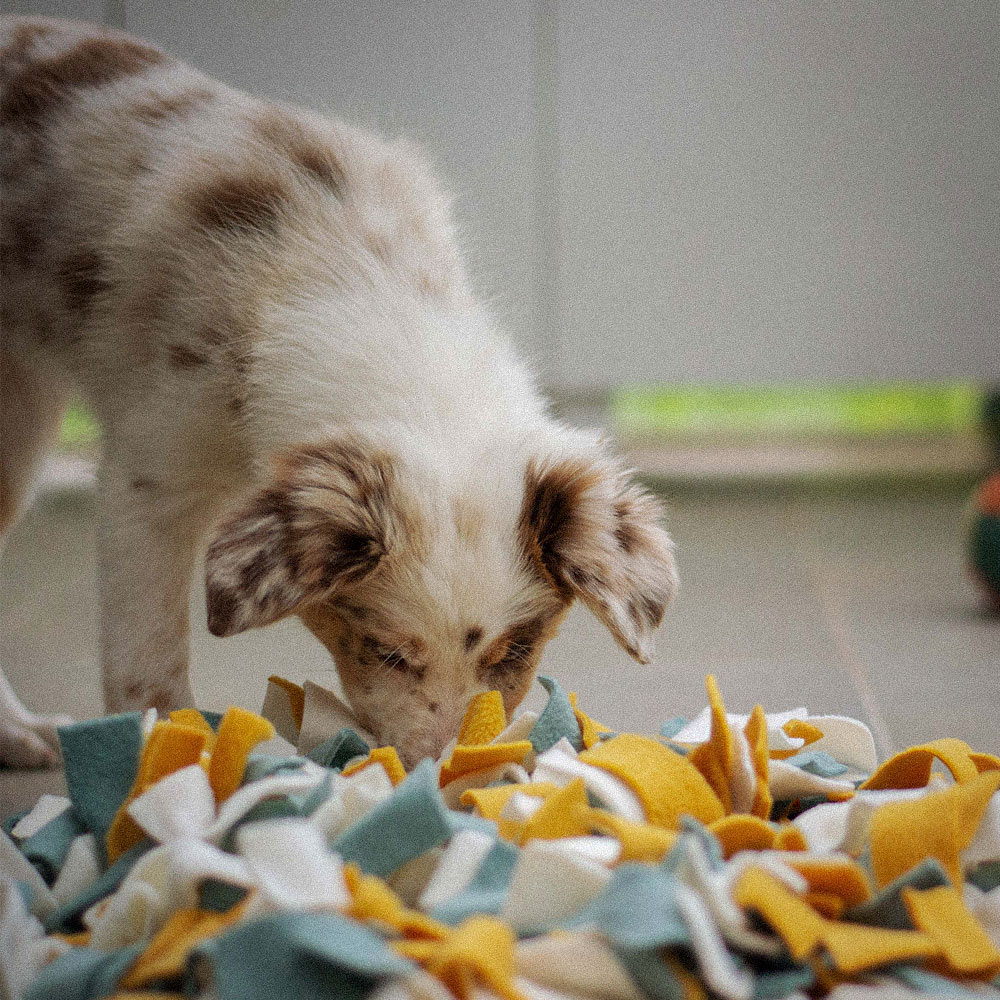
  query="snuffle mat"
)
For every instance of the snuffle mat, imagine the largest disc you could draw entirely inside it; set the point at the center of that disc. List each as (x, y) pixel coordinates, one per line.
(767, 855)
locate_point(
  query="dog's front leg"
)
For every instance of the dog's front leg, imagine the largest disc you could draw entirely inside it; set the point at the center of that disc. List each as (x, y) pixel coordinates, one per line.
(148, 538)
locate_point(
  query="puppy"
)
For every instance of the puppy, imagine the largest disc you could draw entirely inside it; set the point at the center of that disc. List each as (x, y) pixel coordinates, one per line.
(268, 313)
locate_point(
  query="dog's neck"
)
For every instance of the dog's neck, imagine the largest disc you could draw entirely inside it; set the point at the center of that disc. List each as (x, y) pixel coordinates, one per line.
(409, 374)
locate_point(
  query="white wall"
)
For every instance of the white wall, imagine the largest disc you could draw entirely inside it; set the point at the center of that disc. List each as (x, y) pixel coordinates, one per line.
(764, 191)
(675, 191)
(84, 10)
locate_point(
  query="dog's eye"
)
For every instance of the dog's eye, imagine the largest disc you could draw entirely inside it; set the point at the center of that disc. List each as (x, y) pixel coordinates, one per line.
(508, 663)
(393, 658)
(516, 659)
(386, 657)
(396, 661)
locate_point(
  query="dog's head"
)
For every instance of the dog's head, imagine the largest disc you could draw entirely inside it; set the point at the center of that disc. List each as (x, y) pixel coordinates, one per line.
(426, 593)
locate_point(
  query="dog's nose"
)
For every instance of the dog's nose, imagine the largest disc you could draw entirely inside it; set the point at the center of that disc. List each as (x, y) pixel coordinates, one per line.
(412, 752)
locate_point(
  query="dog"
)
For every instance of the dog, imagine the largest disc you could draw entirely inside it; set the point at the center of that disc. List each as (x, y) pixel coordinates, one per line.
(268, 313)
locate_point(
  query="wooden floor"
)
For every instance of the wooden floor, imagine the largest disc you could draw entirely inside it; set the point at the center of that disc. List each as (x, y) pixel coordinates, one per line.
(856, 604)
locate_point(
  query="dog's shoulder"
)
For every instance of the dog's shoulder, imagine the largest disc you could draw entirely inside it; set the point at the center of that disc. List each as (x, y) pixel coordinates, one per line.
(46, 63)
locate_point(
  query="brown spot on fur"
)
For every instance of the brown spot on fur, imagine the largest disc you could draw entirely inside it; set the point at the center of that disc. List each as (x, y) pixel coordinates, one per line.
(551, 498)
(183, 358)
(156, 110)
(309, 152)
(635, 613)
(320, 164)
(222, 606)
(469, 520)
(137, 164)
(39, 87)
(216, 335)
(652, 609)
(525, 635)
(238, 203)
(584, 579)
(23, 37)
(253, 573)
(430, 285)
(626, 534)
(134, 690)
(368, 475)
(351, 555)
(142, 484)
(160, 698)
(472, 638)
(378, 244)
(81, 279)
(23, 242)
(240, 363)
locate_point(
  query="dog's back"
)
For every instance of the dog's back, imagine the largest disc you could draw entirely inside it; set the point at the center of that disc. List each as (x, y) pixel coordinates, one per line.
(76, 146)
(149, 212)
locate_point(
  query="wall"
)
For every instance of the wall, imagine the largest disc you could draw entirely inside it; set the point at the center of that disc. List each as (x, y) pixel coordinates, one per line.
(675, 191)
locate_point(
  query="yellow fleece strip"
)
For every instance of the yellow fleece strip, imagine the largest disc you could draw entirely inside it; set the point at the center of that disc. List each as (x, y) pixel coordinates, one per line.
(239, 732)
(666, 783)
(169, 747)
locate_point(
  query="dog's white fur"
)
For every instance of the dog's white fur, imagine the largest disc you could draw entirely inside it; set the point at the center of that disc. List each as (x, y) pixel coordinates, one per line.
(267, 311)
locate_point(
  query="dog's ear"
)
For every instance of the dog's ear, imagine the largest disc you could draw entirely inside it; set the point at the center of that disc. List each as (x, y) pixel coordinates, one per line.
(325, 522)
(597, 536)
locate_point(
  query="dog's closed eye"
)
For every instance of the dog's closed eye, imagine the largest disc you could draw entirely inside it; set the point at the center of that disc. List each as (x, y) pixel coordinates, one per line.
(513, 652)
(378, 655)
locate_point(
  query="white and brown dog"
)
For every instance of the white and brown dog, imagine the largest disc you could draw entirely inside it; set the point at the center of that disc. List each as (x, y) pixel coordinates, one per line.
(268, 313)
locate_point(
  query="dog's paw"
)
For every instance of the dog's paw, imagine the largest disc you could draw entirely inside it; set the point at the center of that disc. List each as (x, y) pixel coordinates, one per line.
(31, 743)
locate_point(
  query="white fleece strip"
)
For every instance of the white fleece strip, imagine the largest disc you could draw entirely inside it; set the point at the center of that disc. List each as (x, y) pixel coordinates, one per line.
(718, 968)
(323, 716)
(47, 808)
(578, 964)
(24, 947)
(695, 870)
(180, 805)
(700, 727)
(560, 765)
(81, 869)
(244, 799)
(292, 866)
(163, 880)
(459, 863)
(350, 799)
(14, 865)
(846, 740)
(786, 781)
(549, 886)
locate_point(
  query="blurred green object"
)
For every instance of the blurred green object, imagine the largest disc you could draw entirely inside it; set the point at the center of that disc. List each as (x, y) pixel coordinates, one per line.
(809, 409)
(79, 431)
